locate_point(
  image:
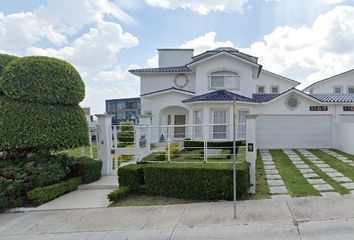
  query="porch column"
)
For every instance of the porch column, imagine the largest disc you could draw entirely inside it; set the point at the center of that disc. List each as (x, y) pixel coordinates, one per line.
(105, 142)
(251, 149)
(206, 122)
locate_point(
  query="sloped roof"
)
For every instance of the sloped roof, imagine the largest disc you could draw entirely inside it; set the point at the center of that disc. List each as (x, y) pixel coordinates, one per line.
(219, 95)
(232, 51)
(161, 70)
(224, 95)
(329, 78)
(334, 97)
(168, 89)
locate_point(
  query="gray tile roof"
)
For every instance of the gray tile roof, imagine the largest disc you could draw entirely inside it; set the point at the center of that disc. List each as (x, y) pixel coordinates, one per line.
(219, 95)
(228, 50)
(161, 70)
(264, 97)
(334, 97)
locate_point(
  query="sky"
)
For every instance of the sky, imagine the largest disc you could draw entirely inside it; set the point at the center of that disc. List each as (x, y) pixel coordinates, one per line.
(306, 40)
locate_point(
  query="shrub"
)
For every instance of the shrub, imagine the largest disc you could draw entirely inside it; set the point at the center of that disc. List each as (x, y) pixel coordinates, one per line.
(88, 169)
(195, 181)
(174, 150)
(118, 194)
(190, 181)
(190, 145)
(28, 126)
(44, 194)
(132, 176)
(156, 156)
(4, 61)
(127, 126)
(43, 80)
(126, 137)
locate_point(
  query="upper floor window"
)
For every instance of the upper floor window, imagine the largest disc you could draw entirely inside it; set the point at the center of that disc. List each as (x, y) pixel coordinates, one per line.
(224, 79)
(260, 89)
(337, 89)
(351, 89)
(275, 89)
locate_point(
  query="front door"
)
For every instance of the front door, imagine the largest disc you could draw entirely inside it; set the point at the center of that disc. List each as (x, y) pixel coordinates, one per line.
(180, 132)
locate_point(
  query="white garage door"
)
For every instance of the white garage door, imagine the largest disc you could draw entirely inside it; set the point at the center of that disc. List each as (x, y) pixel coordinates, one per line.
(347, 118)
(293, 131)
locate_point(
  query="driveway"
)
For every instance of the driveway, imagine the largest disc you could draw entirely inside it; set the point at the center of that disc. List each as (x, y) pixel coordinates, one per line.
(296, 218)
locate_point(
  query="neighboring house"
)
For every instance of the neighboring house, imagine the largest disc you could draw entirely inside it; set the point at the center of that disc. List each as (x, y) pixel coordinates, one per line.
(124, 109)
(192, 90)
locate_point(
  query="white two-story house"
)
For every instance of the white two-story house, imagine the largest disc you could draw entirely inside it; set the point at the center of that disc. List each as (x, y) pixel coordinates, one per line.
(188, 91)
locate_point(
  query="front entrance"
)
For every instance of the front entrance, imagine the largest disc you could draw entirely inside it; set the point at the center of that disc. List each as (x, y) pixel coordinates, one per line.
(180, 132)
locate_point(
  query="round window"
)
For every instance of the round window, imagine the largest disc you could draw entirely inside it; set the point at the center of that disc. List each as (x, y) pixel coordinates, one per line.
(181, 80)
(292, 103)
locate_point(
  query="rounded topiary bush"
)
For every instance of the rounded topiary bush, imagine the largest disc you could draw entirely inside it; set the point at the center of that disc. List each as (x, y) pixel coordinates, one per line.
(26, 126)
(42, 79)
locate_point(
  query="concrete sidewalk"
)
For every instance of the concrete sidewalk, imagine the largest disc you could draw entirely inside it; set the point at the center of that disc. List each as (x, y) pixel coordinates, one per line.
(93, 195)
(298, 218)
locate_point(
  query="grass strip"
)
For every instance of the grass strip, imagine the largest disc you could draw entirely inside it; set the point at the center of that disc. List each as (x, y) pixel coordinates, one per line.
(351, 157)
(294, 180)
(336, 185)
(262, 189)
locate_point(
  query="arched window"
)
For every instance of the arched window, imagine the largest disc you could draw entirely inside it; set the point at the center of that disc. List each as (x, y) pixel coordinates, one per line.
(224, 80)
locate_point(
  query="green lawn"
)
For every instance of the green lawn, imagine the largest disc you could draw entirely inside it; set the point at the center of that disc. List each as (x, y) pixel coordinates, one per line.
(76, 152)
(351, 157)
(335, 163)
(337, 187)
(144, 200)
(262, 189)
(293, 179)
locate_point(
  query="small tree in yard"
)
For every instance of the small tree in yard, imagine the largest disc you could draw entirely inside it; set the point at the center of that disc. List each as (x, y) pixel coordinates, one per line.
(39, 105)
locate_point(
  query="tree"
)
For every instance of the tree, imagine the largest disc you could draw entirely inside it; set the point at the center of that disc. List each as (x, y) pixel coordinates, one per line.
(39, 105)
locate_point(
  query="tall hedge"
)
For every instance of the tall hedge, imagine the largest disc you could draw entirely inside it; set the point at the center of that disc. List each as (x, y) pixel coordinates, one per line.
(42, 79)
(39, 105)
(5, 59)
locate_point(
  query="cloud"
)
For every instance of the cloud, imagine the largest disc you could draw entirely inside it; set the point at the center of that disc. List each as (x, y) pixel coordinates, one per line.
(201, 6)
(331, 1)
(199, 44)
(96, 49)
(55, 21)
(310, 53)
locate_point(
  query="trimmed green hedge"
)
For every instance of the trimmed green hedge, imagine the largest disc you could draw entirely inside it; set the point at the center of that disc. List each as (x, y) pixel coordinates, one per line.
(132, 176)
(156, 156)
(45, 194)
(5, 59)
(43, 80)
(33, 126)
(88, 169)
(189, 181)
(118, 194)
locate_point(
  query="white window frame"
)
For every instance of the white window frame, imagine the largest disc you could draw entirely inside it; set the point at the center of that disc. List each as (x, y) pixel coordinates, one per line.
(350, 87)
(215, 125)
(274, 86)
(264, 88)
(241, 128)
(340, 87)
(238, 83)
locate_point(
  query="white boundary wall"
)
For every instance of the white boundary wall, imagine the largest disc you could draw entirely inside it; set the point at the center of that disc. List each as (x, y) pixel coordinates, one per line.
(343, 137)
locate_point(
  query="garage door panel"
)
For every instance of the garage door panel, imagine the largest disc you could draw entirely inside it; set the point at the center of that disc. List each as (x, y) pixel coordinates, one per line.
(293, 131)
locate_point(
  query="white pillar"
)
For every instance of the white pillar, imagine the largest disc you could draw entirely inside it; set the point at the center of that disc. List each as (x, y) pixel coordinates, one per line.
(251, 149)
(105, 142)
(88, 120)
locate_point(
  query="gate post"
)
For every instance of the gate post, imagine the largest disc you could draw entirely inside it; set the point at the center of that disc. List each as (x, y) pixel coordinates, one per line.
(251, 149)
(105, 142)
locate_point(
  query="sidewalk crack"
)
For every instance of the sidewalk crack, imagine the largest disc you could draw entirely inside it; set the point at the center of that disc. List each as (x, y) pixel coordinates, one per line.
(179, 218)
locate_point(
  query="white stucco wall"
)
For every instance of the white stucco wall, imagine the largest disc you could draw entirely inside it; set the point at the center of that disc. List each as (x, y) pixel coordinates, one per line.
(155, 82)
(344, 81)
(174, 57)
(227, 63)
(343, 137)
(268, 80)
